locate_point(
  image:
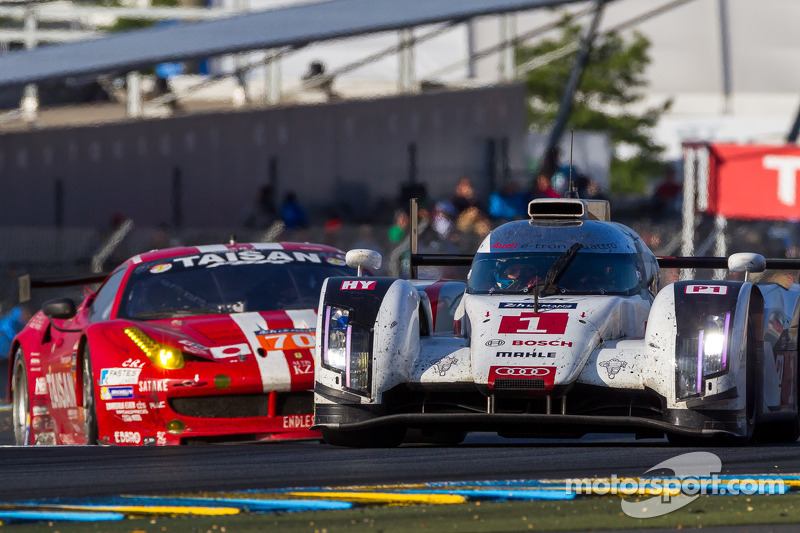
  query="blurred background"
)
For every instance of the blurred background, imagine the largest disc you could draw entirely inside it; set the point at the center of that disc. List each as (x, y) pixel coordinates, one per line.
(684, 114)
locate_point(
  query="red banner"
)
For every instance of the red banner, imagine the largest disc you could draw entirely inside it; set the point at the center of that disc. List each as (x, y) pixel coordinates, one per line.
(754, 182)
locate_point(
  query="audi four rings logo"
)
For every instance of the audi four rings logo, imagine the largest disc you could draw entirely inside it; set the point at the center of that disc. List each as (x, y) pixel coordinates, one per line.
(521, 371)
(495, 342)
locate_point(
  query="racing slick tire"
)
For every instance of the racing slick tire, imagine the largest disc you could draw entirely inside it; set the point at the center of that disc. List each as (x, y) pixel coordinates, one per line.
(89, 408)
(787, 431)
(21, 404)
(389, 437)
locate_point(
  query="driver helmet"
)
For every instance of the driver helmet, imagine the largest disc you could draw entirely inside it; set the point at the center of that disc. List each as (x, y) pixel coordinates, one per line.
(513, 270)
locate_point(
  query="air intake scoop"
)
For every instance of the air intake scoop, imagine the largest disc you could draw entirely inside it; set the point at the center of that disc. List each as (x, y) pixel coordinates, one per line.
(569, 209)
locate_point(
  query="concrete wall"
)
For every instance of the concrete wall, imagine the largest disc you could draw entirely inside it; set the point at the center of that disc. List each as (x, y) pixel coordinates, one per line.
(206, 170)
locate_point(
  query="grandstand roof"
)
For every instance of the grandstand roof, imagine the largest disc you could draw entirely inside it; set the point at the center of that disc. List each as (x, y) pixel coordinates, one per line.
(289, 26)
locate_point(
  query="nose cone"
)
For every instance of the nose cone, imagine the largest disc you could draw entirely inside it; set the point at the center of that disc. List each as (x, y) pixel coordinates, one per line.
(517, 346)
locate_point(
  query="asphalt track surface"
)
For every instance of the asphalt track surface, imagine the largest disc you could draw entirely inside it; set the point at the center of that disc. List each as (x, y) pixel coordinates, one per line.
(76, 471)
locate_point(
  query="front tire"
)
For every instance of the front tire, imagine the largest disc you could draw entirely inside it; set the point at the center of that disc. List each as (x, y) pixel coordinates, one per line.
(785, 431)
(21, 404)
(89, 410)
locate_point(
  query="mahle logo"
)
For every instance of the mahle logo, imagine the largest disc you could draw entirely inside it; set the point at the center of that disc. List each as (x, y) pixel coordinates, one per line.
(694, 474)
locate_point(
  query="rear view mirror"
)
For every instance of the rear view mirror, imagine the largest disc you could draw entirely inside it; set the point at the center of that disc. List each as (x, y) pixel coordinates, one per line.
(61, 308)
(361, 258)
(747, 262)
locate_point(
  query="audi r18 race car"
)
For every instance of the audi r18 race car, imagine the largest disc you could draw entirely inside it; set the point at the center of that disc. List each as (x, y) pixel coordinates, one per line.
(191, 344)
(559, 331)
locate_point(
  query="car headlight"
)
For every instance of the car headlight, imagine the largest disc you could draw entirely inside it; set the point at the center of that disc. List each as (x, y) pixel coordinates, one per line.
(337, 334)
(347, 349)
(160, 355)
(714, 341)
(359, 364)
(702, 355)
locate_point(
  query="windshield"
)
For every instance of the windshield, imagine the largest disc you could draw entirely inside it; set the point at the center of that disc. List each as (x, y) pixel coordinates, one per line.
(587, 273)
(180, 287)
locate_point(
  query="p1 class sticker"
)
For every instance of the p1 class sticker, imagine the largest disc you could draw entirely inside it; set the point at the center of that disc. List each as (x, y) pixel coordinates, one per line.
(158, 269)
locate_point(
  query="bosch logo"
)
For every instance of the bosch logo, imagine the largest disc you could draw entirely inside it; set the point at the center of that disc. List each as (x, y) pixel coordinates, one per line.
(521, 371)
(495, 342)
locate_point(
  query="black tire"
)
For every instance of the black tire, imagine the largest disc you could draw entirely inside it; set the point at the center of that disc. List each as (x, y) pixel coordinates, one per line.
(88, 403)
(785, 431)
(20, 399)
(389, 437)
(752, 389)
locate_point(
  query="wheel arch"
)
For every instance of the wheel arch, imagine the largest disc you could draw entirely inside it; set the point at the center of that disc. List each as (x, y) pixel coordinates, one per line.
(83, 343)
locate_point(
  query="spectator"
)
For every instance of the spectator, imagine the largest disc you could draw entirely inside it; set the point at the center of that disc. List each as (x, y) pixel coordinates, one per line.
(464, 196)
(442, 218)
(667, 195)
(316, 78)
(473, 226)
(542, 188)
(588, 188)
(399, 229)
(10, 324)
(557, 172)
(332, 230)
(162, 239)
(292, 213)
(507, 203)
(263, 213)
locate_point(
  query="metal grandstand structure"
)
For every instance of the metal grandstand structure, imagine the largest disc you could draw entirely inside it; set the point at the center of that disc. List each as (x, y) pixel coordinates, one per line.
(277, 32)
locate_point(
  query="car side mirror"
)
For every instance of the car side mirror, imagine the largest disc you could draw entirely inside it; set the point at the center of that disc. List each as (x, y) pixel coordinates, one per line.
(61, 308)
(362, 258)
(747, 262)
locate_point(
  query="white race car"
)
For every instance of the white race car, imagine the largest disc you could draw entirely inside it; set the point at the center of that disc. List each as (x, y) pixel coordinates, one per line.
(559, 331)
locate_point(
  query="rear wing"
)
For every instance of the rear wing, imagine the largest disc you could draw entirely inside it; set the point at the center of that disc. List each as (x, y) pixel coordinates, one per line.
(418, 260)
(26, 283)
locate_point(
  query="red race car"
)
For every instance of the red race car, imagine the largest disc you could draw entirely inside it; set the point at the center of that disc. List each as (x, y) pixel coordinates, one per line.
(201, 344)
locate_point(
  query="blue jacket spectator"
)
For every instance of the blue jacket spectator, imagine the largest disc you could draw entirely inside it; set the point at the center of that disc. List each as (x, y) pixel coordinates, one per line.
(292, 213)
(507, 203)
(10, 324)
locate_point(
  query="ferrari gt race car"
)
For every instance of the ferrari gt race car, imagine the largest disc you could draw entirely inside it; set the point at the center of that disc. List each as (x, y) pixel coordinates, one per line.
(182, 345)
(559, 331)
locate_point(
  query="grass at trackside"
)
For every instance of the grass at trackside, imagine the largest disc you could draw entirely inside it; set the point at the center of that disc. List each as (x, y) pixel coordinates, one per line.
(584, 514)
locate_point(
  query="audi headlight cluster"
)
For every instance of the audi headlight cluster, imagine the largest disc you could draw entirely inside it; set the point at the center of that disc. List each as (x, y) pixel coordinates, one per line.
(702, 355)
(346, 348)
(337, 337)
(714, 341)
(160, 355)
